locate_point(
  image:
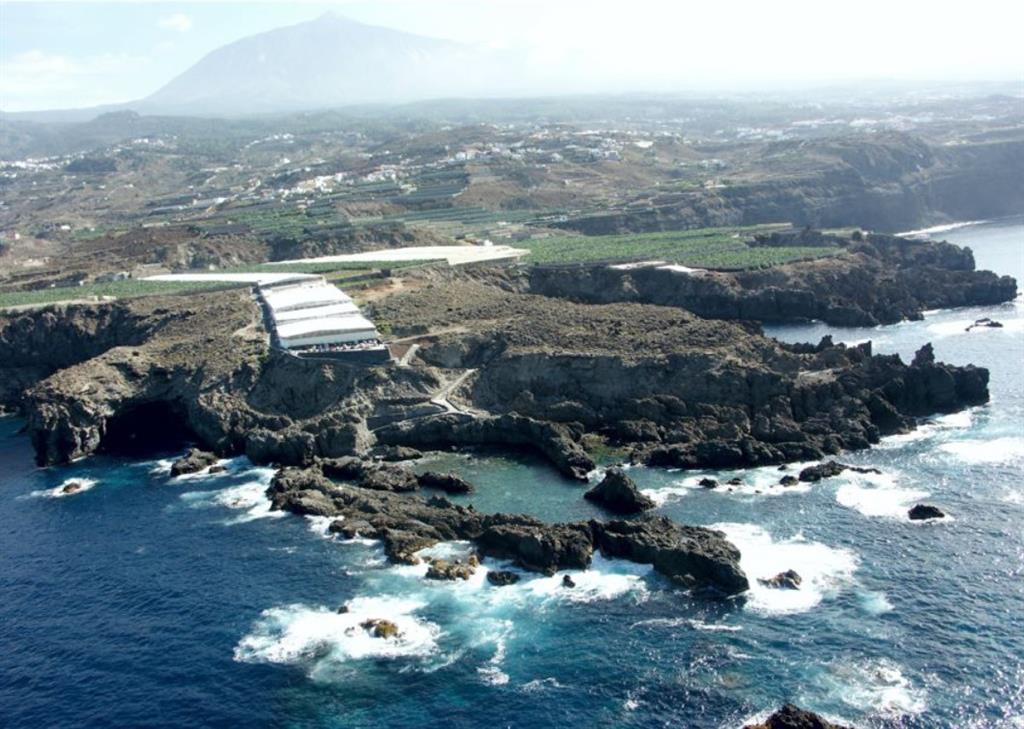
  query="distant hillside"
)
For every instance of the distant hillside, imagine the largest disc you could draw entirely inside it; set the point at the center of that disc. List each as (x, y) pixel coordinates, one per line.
(330, 62)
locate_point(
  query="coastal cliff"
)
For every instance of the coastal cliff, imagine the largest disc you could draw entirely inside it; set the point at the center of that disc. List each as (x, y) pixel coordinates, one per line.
(879, 279)
(494, 366)
(894, 182)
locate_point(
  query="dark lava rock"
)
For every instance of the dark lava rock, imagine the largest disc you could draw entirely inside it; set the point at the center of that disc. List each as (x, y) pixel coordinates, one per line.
(567, 581)
(502, 578)
(735, 482)
(442, 569)
(447, 482)
(790, 717)
(342, 609)
(828, 469)
(536, 546)
(985, 323)
(72, 487)
(788, 580)
(396, 453)
(348, 468)
(922, 512)
(708, 483)
(216, 468)
(789, 481)
(558, 442)
(379, 628)
(389, 478)
(690, 556)
(192, 462)
(694, 557)
(618, 493)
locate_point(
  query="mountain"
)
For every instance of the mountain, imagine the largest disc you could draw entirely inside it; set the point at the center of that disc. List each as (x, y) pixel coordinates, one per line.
(332, 61)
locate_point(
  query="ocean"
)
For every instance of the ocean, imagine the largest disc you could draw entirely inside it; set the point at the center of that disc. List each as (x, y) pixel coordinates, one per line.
(147, 601)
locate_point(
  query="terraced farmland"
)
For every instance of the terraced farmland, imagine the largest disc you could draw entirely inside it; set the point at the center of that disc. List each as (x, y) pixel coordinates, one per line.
(717, 248)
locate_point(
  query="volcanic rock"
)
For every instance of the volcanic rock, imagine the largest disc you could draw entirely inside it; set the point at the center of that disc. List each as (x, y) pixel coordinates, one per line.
(618, 493)
(790, 717)
(985, 323)
(788, 580)
(502, 578)
(568, 581)
(396, 453)
(813, 474)
(447, 482)
(922, 512)
(788, 480)
(380, 628)
(708, 483)
(442, 569)
(691, 556)
(386, 477)
(192, 462)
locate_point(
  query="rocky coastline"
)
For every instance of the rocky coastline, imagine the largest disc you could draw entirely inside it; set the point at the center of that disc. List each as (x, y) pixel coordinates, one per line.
(496, 364)
(876, 279)
(670, 387)
(692, 557)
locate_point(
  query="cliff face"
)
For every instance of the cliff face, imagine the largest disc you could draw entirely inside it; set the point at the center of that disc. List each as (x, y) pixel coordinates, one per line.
(896, 183)
(880, 280)
(679, 389)
(35, 344)
(505, 367)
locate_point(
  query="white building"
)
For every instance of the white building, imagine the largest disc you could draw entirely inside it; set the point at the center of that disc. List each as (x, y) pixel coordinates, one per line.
(304, 295)
(314, 313)
(328, 330)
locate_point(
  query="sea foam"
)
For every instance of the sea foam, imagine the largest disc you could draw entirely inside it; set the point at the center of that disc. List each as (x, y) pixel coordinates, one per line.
(823, 569)
(59, 492)
(877, 495)
(1007, 449)
(295, 634)
(874, 686)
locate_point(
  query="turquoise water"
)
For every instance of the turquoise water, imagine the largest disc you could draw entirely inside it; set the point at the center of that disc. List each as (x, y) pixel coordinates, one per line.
(150, 601)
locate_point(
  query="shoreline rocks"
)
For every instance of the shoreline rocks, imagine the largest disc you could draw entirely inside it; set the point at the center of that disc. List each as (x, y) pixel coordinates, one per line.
(828, 469)
(693, 557)
(791, 717)
(380, 628)
(447, 482)
(442, 569)
(538, 373)
(925, 512)
(193, 462)
(618, 493)
(788, 580)
(502, 578)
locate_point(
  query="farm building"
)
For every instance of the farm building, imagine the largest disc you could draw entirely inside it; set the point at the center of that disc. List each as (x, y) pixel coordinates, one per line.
(283, 317)
(326, 331)
(313, 317)
(305, 294)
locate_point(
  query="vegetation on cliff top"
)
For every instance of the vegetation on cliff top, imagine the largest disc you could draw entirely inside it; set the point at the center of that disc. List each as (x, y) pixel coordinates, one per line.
(718, 248)
(128, 289)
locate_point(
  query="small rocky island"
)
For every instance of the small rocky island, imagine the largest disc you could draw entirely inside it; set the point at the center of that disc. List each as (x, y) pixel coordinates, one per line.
(671, 366)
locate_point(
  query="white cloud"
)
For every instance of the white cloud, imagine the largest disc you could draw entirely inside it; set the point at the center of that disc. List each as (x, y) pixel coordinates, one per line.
(178, 21)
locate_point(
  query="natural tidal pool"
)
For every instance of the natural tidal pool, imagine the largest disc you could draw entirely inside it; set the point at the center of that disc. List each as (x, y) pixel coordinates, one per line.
(143, 600)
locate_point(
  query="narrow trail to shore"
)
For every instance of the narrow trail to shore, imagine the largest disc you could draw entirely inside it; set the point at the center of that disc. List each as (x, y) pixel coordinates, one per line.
(441, 398)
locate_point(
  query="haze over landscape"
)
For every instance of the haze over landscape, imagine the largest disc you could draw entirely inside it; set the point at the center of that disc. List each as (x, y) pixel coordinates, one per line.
(493, 363)
(181, 58)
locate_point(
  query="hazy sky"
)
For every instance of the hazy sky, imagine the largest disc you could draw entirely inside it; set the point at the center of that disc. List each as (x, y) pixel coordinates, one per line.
(63, 55)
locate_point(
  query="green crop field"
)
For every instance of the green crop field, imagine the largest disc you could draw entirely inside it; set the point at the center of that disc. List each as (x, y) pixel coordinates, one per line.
(324, 267)
(117, 289)
(717, 248)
